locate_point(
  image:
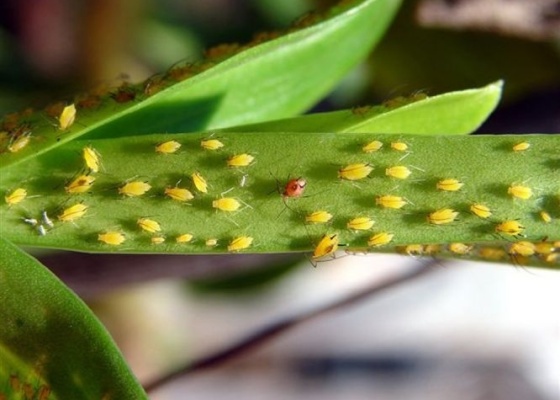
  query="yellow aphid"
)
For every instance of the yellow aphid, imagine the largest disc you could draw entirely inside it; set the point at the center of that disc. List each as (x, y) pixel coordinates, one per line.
(240, 160)
(199, 182)
(81, 184)
(521, 147)
(552, 258)
(442, 216)
(492, 253)
(460, 248)
(91, 158)
(240, 243)
(67, 117)
(72, 213)
(318, 217)
(111, 238)
(134, 188)
(449, 185)
(432, 249)
(212, 242)
(380, 239)
(360, 223)
(211, 144)
(372, 147)
(148, 225)
(480, 210)
(544, 248)
(390, 201)
(184, 238)
(168, 147)
(16, 196)
(179, 194)
(326, 246)
(545, 216)
(19, 143)
(412, 249)
(226, 204)
(520, 192)
(399, 146)
(157, 240)
(398, 172)
(354, 172)
(511, 227)
(522, 248)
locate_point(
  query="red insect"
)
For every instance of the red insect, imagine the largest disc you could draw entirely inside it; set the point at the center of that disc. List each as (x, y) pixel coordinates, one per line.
(294, 187)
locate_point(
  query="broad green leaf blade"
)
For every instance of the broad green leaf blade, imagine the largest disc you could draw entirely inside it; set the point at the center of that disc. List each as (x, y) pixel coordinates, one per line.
(51, 342)
(274, 79)
(487, 165)
(458, 113)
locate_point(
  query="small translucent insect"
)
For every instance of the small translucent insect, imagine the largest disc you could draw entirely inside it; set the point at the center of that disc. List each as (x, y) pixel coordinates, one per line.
(372, 147)
(522, 248)
(179, 194)
(294, 187)
(73, 213)
(212, 242)
(520, 192)
(19, 143)
(442, 216)
(240, 243)
(157, 240)
(398, 172)
(91, 158)
(134, 188)
(184, 238)
(30, 221)
(81, 184)
(480, 210)
(168, 147)
(199, 182)
(545, 216)
(148, 225)
(354, 172)
(228, 204)
(112, 238)
(41, 230)
(360, 223)
(380, 239)
(449, 185)
(318, 217)
(460, 248)
(511, 227)
(240, 160)
(46, 220)
(399, 146)
(327, 245)
(390, 201)
(16, 196)
(519, 147)
(67, 117)
(211, 144)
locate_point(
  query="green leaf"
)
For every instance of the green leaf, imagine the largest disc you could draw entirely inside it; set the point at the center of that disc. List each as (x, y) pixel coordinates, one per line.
(51, 342)
(454, 113)
(275, 79)
(487, 165)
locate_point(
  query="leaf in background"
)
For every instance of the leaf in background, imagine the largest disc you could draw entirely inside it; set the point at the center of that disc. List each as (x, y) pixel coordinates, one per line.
(275, 79)
(50, 340)
(454, 113)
